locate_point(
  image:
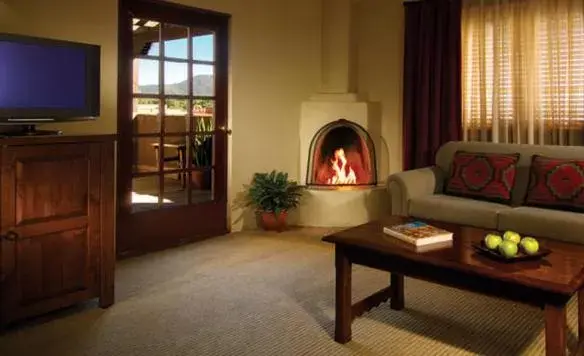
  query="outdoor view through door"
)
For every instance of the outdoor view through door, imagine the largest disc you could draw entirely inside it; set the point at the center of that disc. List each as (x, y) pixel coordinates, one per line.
(182, 72)
(173, 102)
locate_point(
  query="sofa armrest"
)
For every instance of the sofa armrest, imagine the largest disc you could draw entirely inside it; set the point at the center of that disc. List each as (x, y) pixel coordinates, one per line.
(406, 185)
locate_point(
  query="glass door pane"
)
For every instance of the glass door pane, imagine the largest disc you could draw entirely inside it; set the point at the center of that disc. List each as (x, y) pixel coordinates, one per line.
(175, 41)
(145, 192)
(175, 193)
(203, 43)
(176, 118)
(201, 186)
(146, 116)
(204, 80)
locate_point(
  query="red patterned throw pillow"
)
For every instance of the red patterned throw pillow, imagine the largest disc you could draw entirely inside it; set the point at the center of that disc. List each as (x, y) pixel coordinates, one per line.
(556, 183)
(483, 176)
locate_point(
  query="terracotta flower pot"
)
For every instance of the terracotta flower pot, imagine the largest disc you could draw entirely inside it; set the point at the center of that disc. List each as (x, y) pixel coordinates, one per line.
(201, 180)
(271, 222)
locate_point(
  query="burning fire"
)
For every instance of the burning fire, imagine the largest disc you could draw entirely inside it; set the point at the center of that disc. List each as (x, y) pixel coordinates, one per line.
(343, 174)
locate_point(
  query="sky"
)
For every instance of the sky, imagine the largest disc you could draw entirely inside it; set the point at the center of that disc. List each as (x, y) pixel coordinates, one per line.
(177, 72)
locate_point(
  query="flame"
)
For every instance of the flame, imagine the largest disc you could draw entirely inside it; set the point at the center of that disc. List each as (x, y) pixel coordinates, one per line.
(343, 174)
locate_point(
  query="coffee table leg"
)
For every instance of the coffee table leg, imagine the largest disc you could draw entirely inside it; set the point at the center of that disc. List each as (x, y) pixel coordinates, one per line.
(555, 330)
(397, 292)
(581, 315)
(343, 317)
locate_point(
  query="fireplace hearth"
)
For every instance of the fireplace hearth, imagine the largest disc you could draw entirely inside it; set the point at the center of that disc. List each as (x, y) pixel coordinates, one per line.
(341, 154)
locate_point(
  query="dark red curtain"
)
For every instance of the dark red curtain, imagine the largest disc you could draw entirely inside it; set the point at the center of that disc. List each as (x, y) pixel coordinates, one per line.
(432, 79)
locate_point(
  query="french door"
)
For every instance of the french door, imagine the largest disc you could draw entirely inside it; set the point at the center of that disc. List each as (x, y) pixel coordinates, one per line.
(172, 117)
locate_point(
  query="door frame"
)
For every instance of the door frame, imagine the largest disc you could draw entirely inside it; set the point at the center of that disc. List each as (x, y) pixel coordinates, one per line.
(126, 237)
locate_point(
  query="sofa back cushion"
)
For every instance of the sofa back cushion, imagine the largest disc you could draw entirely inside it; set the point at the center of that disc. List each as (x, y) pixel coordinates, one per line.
(445, 156)
(556, 184)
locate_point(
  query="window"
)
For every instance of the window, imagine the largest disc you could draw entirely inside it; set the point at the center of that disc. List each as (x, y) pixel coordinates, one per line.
(523, 62)
(561, 67)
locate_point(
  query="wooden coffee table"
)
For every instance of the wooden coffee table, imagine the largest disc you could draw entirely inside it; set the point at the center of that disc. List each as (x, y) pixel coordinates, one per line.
(548, 283)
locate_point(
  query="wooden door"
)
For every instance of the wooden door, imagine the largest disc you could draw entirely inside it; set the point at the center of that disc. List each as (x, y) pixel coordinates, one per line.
(172, 167)
(50, 221)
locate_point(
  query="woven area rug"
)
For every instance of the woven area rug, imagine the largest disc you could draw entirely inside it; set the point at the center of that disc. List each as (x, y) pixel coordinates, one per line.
(256, 293)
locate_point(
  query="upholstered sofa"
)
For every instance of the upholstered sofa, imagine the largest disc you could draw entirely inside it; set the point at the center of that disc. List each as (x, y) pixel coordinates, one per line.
(421, 193)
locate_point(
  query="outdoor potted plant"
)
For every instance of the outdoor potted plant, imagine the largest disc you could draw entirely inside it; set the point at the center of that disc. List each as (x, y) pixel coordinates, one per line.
(202, 154)
(273, 195)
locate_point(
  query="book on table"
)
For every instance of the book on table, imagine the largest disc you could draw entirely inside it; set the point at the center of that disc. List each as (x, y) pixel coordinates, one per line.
(419, 233)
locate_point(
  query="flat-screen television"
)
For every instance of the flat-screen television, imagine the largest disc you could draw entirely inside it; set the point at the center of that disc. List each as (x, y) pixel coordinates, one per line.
(44, 80)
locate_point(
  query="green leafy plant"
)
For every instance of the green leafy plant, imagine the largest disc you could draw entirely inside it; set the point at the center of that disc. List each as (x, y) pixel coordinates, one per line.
(273, 192)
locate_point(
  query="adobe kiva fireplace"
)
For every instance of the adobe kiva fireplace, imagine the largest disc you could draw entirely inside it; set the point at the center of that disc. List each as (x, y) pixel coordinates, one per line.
(339, 137)
(341, 153)
(340, 133)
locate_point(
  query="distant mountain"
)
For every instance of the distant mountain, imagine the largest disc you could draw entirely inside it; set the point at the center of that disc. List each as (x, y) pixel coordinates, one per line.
(203, 85)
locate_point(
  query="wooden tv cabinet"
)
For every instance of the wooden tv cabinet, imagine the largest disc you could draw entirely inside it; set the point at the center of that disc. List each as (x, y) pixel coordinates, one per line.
(56, 223)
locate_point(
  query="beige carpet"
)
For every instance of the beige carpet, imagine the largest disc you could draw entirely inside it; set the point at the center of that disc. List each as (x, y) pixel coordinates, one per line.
(272, 294)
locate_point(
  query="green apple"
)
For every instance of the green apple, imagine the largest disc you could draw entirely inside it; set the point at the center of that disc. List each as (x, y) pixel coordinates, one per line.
(492, 241)
(530, 245)
(512, 236)
(508, 249)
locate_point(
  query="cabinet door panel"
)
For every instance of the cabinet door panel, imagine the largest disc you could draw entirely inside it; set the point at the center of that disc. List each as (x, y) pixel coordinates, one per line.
(40, 198)
(52, 265)
(50, 200)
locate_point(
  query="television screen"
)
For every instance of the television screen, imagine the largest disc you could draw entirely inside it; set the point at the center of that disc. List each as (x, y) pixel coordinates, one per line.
(47, 79)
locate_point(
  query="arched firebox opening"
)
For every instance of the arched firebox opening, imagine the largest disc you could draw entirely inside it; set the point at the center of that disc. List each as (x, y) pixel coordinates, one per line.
(341, 154)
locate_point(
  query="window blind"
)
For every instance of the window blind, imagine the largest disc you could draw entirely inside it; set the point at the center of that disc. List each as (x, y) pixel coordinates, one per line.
(522, 63)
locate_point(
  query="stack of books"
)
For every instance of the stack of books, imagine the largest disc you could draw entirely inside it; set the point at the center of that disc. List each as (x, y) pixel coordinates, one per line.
(420, 236)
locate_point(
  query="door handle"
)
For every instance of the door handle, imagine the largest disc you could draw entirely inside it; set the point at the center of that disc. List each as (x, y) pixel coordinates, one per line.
(226, 130)
(10, 236)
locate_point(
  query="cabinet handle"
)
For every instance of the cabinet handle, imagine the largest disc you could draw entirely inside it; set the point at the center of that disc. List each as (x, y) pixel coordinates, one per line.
(10, 236)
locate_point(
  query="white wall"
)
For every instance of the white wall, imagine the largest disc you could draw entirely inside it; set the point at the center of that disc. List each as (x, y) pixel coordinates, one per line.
(380, 33)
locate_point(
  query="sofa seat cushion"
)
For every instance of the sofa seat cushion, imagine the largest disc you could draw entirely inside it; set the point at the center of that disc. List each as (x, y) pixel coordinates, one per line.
(457, 210)
(484, 176)
(556, 184)
(539, 222)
